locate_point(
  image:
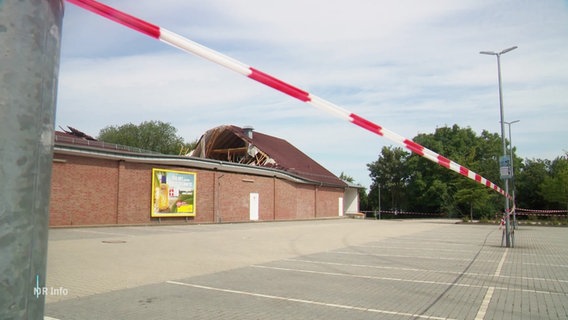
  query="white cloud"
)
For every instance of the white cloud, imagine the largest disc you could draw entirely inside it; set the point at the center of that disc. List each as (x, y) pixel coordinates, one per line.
(408, 66)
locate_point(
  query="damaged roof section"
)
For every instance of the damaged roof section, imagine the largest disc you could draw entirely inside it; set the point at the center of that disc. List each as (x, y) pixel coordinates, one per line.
(246, 146)
(72, 132)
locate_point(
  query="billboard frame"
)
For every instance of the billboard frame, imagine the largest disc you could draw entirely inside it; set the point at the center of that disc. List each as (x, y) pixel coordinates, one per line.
(170, 191)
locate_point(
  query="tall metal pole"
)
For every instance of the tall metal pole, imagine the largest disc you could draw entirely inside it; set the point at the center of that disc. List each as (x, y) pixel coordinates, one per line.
(30, 33)
(512, 171)
(503, 140)
(502, 113)
(379, 186)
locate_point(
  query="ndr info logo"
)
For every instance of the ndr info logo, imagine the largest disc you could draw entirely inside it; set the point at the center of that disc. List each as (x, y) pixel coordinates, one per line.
(49, 291)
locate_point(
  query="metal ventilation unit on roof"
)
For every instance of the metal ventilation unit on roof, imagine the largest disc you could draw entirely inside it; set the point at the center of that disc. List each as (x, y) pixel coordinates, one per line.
(248, 131)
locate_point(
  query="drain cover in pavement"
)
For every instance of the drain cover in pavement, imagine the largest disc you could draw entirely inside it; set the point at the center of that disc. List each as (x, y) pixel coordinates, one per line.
(114, 241)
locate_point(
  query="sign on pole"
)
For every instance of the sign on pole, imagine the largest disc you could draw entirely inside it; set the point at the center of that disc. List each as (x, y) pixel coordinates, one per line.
(505, 167)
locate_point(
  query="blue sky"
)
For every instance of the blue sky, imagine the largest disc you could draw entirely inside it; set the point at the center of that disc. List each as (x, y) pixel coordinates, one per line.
(406, 65)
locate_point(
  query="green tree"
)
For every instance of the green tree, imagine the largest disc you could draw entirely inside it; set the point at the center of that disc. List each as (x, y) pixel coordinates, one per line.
(489, 148)
(410, 182)
(436, 189)
(474, 200)
(390, 173)
(528, 181)
(149, 135)
(346, 177)
(554, 187)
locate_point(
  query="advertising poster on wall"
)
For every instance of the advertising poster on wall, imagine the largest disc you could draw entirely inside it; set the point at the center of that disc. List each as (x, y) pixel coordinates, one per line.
(173, 193)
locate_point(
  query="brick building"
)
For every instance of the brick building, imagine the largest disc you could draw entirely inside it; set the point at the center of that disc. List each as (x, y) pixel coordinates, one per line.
(242, 178)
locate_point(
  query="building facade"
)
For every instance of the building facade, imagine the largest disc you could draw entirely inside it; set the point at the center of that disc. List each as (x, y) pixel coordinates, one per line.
(94, 184)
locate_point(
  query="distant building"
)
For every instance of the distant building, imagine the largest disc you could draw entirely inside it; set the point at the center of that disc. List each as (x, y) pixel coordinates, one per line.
(234, 175)
(352, 201)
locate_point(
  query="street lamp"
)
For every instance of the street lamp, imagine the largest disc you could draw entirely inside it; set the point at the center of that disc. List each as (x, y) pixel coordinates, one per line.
(512, 172)
(506, 178)
(379, 186)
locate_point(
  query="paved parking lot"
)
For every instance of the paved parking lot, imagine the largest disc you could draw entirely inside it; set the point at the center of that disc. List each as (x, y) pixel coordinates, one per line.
(331, 269)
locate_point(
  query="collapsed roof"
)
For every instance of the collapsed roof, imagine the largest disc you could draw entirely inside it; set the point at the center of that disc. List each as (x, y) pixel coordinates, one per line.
(72, 132)
(245, 146)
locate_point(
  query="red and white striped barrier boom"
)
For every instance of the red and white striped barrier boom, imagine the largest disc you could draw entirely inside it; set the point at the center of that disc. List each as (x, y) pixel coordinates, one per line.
(190, 46)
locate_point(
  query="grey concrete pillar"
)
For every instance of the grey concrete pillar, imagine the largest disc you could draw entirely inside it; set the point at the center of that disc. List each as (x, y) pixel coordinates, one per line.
(30, 33)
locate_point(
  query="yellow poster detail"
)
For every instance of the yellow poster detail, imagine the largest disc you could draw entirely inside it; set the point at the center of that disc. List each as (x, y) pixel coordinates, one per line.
(173, 193)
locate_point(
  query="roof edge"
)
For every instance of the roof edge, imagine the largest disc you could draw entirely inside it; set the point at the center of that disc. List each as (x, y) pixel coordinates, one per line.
(183, 161)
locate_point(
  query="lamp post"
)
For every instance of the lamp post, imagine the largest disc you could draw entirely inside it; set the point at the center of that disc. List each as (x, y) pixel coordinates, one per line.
(379, 200)
(30, 34)
(512, 172)
(506, 177)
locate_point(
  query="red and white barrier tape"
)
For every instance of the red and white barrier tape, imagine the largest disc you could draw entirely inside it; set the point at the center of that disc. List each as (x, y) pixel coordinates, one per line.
(542, 214)
(187, 45)
(541, 211)
(537, 213)
(410, 213)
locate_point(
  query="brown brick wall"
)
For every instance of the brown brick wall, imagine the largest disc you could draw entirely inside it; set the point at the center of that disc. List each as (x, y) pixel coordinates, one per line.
(234, 196)
(286, 200)
(205, 191)
(136, 194)
(91, 191)
(83, 191)
(135, 186)
(305, 201)
(59, 212)
(327, 202)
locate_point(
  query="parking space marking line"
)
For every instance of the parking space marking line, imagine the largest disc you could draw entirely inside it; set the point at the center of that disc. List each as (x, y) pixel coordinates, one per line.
(361, 265)
(500, 266)
(310, 302)
(431, 240)
(403, 256)
(546, 265)
(485, 304)
(451, 284)
(421, 270)
(367, 277)
(407, 248)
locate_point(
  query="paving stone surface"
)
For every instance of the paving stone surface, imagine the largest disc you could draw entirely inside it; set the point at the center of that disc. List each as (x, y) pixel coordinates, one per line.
(330, 269)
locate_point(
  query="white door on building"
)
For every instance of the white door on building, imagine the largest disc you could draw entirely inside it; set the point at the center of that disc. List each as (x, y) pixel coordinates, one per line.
(340, 209)
(253, 207)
